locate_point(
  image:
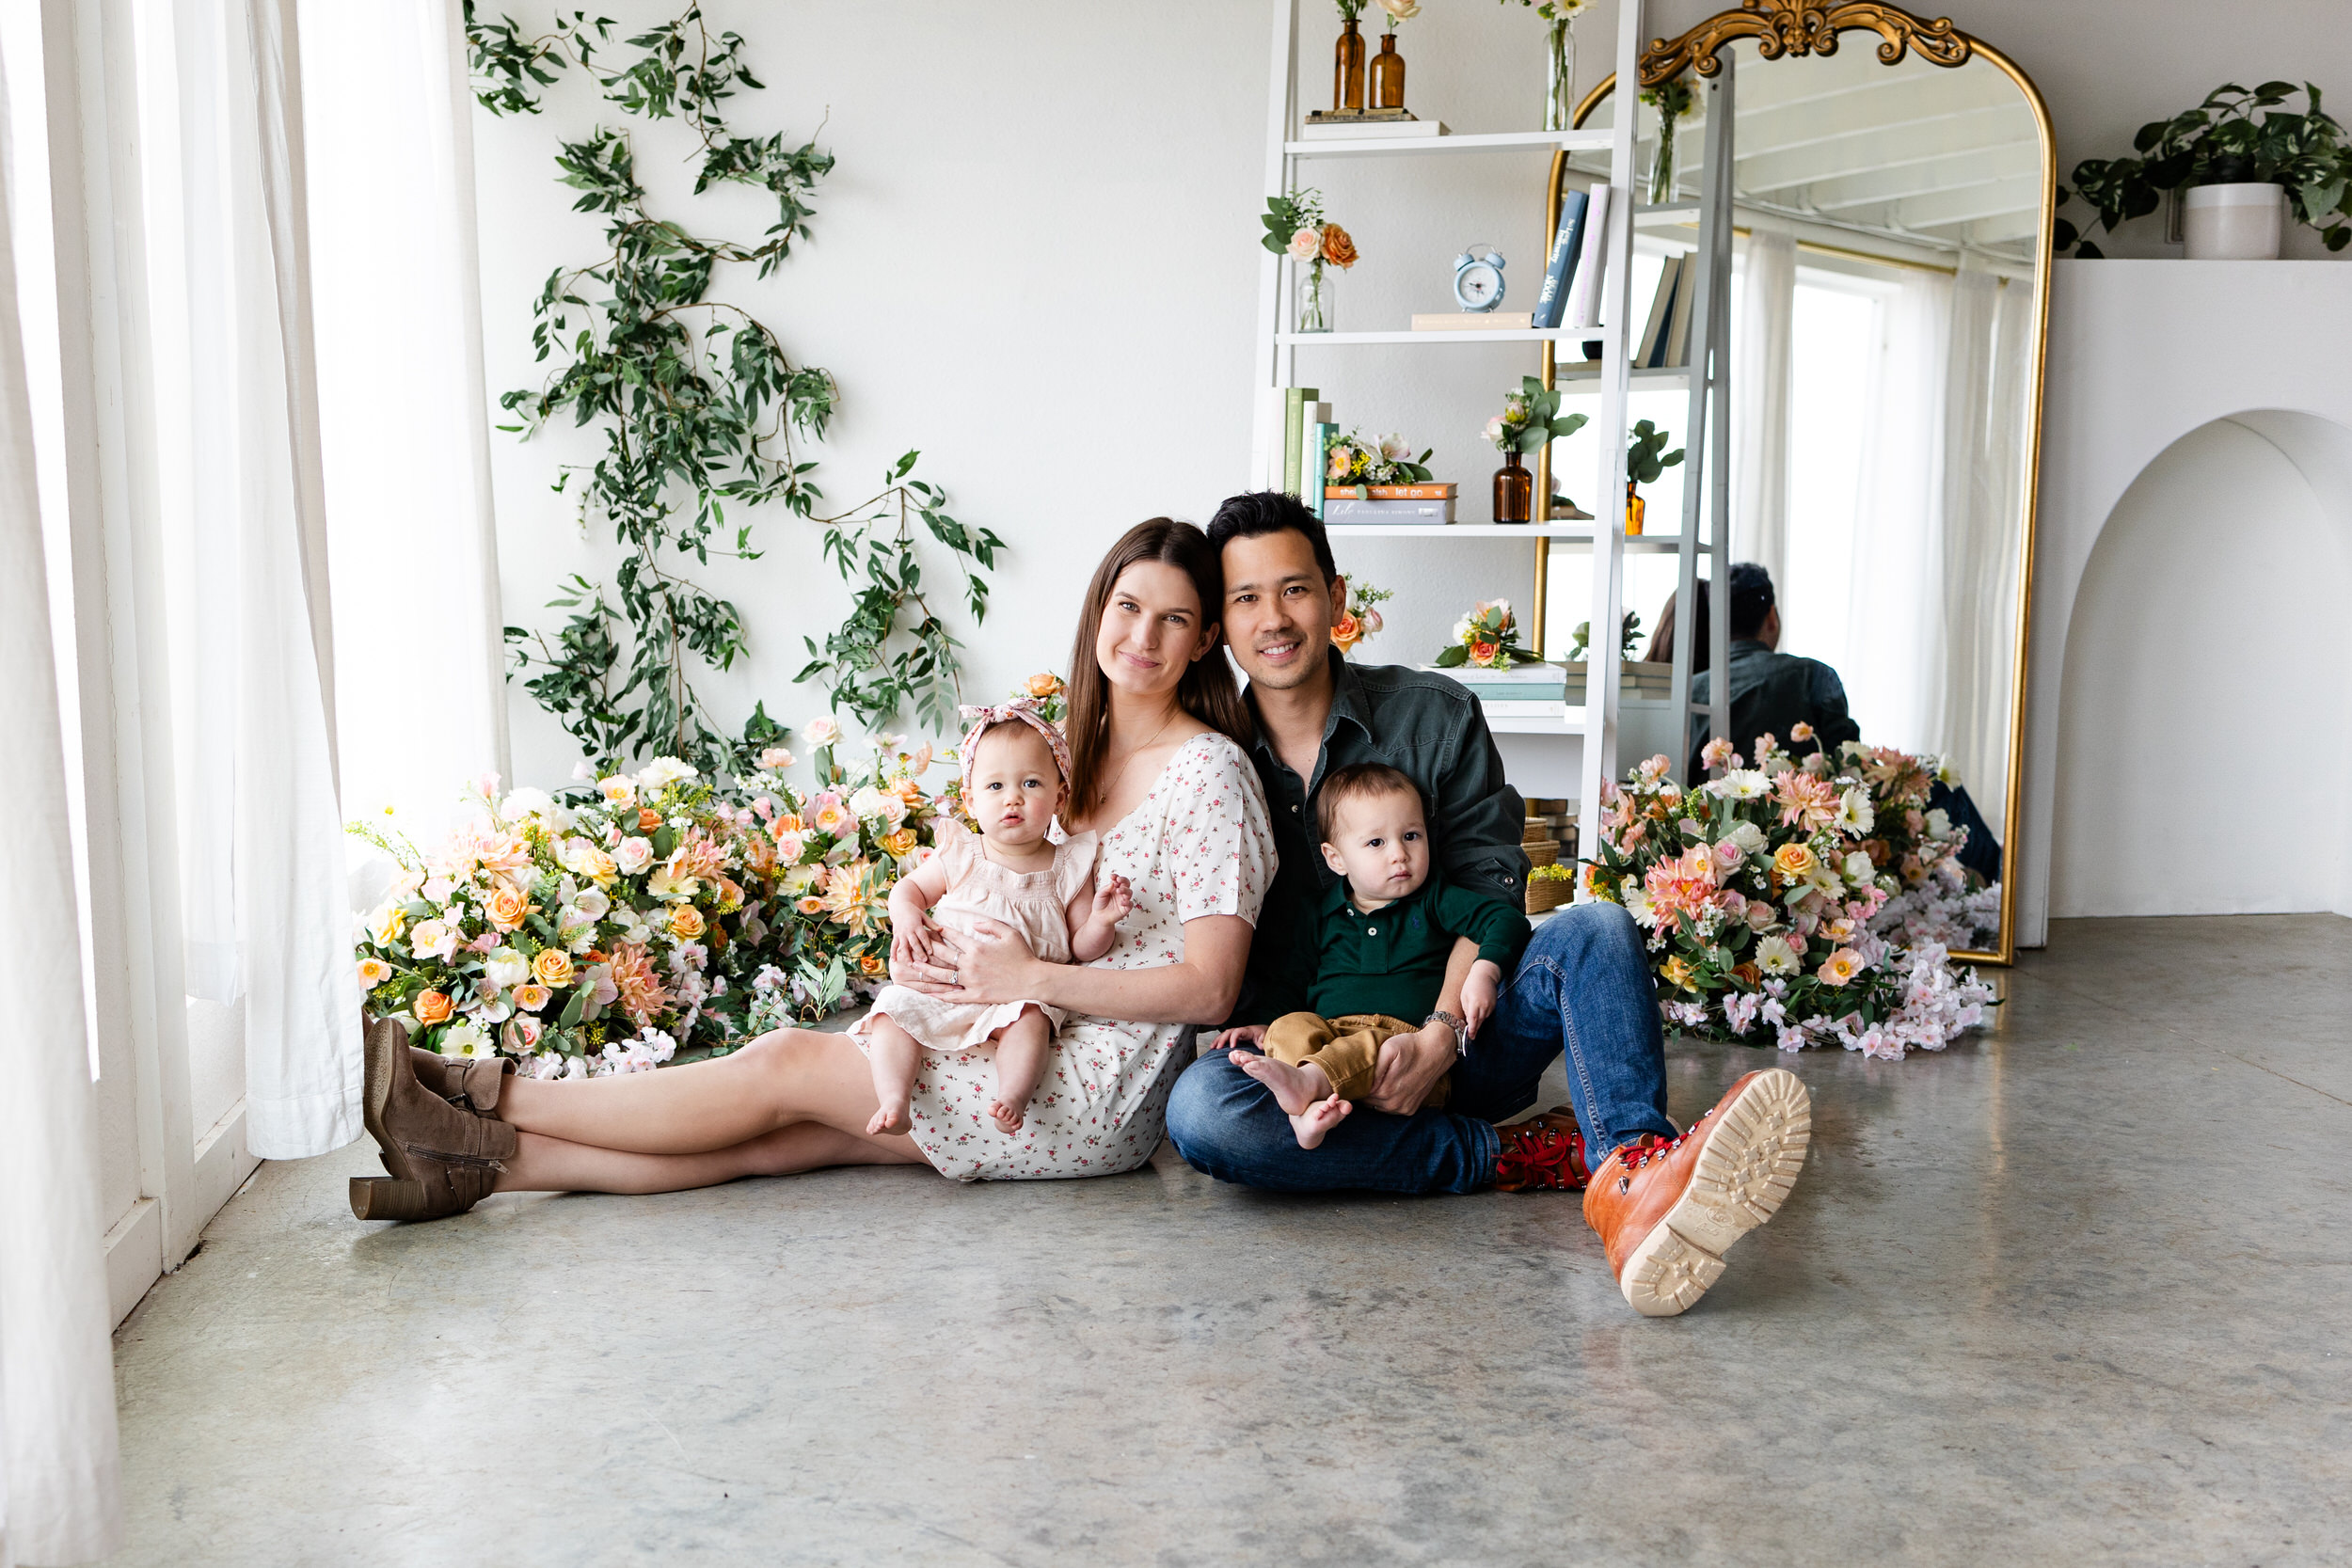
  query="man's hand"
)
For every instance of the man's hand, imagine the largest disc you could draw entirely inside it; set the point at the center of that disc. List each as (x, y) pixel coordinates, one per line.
(1479, 991)
(1247, 1033)
(1409, 1067)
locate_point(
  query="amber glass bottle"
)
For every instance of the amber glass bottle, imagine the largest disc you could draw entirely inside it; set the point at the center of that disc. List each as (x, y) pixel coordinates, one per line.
(1387, 75)
(1347, 68)
(1635, 507)
(1515, 490)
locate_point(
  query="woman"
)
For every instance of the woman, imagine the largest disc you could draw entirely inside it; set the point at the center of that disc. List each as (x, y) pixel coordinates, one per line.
(1155, 722)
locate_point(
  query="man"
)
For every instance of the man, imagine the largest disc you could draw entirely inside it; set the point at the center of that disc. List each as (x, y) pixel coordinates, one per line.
(1771, 692)
(1666, 1204)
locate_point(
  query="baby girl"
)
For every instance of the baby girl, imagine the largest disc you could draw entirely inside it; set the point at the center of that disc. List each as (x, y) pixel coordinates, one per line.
(1016, 775)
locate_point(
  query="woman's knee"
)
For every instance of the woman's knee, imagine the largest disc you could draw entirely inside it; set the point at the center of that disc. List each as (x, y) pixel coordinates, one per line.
(780, 1058)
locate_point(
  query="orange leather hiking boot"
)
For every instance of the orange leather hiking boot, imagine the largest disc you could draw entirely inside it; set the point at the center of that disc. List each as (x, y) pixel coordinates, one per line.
(1543, 1152)
(444, 1160)
(1667, 1210)
(470, 1085)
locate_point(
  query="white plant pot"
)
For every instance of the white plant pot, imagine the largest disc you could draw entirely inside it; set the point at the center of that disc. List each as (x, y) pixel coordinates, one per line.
(2232, 223)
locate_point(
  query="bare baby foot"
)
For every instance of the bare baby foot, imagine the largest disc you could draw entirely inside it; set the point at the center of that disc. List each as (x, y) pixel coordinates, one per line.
(1295, 1089)
(1007, 1118)
(1319, 1118)
(892, 1118)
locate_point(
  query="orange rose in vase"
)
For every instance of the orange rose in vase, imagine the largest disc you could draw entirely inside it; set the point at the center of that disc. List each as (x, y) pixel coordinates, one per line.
(1339, 247)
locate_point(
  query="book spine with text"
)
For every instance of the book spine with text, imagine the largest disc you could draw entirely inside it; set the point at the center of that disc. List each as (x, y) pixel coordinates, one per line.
(1445, 491)
(1564, 241)
(1591, 254)
(1317, 455)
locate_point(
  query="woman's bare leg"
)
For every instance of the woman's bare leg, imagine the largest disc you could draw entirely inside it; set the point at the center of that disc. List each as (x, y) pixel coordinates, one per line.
(545, 1165)
(897, 1054)
(1021, 1048)
(792, 1075)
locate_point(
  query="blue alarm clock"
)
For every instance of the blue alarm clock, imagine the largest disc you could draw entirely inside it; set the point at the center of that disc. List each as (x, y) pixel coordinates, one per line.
(1478, 279)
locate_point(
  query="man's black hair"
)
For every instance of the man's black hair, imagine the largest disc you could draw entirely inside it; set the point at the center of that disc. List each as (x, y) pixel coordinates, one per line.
(1260, 511)
(1750, 598)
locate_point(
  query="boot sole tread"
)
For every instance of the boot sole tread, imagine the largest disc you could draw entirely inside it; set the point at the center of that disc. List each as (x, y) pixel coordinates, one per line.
(1746, 1169)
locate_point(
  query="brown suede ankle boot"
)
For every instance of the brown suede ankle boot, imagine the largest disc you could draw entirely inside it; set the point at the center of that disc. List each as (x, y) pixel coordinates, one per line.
(444, 1160)
(469, 1085)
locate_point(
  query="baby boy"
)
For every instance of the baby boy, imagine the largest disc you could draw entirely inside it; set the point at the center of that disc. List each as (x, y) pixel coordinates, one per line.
(1385, 935)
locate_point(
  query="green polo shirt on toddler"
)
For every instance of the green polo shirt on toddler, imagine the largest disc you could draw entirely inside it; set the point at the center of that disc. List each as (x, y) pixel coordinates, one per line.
(1393, 960)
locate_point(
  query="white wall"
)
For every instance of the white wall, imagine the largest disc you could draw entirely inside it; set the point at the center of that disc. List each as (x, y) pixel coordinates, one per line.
(2201, 695)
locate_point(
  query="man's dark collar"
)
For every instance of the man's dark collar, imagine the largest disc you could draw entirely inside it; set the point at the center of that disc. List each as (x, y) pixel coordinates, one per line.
(1739, 642)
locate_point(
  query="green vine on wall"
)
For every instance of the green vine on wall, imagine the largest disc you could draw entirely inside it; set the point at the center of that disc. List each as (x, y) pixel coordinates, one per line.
(701, 409)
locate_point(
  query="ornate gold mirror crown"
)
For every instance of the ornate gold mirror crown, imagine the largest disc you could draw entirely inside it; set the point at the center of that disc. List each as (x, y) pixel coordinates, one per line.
(1800, 27)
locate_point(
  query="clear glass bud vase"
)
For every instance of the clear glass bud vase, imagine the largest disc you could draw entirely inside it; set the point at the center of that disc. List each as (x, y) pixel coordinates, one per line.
(1560, 75)
(1314, 301)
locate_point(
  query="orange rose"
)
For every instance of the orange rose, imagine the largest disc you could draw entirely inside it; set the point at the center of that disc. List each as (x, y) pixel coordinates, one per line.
(649, 819)
(1348, 632)
(1338, 249)
(786, 822)
(1793, 862)
(899, 845)
(1876, 848)
(687, 922)
(1748, 974)
(431, 1007)
(1044, 684)
(870, 964)
(552, 967)
(1482, 653)
(507, 909)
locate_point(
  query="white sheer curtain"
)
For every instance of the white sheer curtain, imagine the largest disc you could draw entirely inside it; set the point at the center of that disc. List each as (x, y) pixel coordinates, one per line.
(406, 426)
(1759, 392)
(244, 525)
(1895, 687)
(1983, 483)
(60, 1490)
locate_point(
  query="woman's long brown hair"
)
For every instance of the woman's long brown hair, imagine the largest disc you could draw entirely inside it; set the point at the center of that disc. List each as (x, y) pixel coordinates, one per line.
(1207, 689)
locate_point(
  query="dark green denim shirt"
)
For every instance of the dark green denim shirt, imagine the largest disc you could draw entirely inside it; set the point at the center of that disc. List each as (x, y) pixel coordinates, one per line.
(1431, 731)
(1771, 693)
(1393, 960)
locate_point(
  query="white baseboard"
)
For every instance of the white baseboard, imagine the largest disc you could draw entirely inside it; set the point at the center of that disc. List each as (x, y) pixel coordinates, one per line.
(135, 1246)
(134, 1255)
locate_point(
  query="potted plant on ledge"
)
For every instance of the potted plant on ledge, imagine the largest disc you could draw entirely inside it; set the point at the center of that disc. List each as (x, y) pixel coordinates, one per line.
(2237, 175)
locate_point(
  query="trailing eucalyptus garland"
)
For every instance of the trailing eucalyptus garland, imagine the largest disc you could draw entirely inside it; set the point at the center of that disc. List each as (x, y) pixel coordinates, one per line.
(700, 407)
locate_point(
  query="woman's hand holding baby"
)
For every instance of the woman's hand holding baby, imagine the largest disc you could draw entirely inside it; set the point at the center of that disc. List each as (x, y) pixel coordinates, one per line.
(1247, 1033)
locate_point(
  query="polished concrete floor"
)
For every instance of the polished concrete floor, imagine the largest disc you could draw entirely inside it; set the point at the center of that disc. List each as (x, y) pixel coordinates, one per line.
(2079, 1290)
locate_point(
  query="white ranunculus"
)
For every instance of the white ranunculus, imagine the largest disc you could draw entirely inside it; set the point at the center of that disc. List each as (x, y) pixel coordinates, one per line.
(1859, 871)
(1748, 836)
(1939, 823)
(663, 771)
(592, 903)
(633, 855)
(1392, 446)
(820, 732)
(869, 803)
(526, 802)
(506, 968)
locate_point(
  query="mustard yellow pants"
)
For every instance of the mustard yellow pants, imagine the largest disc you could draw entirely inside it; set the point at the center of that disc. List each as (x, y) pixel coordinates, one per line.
(1346, 1048)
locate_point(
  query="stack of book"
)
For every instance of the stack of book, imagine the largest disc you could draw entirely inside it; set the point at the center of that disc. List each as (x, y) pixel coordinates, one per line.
(1571, 289)
(1665, 340)
(1521, 683)
(1307, 436)
(1389, 503)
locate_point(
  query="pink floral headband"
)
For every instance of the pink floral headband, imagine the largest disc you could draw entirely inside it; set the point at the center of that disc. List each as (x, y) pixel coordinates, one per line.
(1020, 709)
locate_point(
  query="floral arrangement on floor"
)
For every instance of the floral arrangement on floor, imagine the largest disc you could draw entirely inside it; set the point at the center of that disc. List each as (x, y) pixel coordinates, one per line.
(1360, 620)
(1365, 462)
(1760, 898)
(1486, 639)
(1531, 419)
(587, 938)
(604, 929)
(1939, 900)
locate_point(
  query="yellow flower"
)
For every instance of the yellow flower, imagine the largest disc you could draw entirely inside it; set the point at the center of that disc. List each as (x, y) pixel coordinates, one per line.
(1678, 974)
(1839, 967)
(552, 967)
(687, 922)
(1793, 862)
(900, 844)
(386, 924)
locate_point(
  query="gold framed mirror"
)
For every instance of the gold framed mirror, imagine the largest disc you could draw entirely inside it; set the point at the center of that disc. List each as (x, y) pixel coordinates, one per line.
(1893, 208)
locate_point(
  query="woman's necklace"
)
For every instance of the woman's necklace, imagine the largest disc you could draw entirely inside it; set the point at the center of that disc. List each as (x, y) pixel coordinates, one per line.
(1112, 789)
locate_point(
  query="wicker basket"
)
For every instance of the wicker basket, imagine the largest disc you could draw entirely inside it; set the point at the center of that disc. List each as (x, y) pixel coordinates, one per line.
(1547, 894)
(1542, 851)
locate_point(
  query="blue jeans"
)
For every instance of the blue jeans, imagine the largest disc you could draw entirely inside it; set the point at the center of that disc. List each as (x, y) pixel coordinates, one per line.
(1582, 986)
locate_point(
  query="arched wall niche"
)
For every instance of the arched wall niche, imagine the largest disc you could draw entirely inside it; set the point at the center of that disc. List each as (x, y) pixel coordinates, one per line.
(2145, 356)
(2204, 706)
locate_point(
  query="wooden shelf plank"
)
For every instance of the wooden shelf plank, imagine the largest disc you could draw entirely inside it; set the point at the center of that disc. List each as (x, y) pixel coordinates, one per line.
(1523, 335)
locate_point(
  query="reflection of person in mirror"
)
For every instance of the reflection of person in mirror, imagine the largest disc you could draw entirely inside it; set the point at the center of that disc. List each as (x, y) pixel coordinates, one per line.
(1771, 692)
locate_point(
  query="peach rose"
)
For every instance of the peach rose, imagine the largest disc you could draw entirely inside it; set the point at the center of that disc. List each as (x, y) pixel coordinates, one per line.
(1348, 632)
(648, 820)
(552, 967)
(1482, 653)
(1793, 862)
(899, 845)
(687, 922)
(1044, 684)
(507, 909)
(431, 1007)
(870, 964)
(1677, 972)
(1338, 247)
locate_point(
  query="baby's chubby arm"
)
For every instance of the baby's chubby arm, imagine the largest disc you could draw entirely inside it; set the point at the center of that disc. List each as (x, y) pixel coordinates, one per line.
(909, 908)
(1094, 914)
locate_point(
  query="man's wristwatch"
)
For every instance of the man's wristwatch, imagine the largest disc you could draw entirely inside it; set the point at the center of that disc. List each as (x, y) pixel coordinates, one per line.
(1461, 1036)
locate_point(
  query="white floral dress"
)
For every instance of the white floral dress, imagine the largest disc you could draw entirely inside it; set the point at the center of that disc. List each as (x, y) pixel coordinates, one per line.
(1199, 845)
